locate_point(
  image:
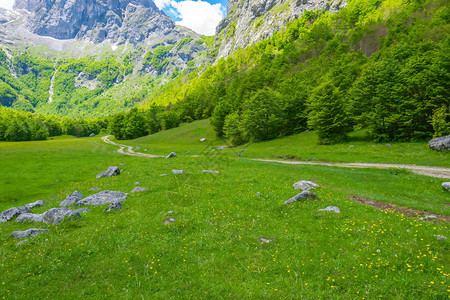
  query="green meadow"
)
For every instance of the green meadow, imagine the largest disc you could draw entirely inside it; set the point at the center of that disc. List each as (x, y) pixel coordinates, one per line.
(214, 250)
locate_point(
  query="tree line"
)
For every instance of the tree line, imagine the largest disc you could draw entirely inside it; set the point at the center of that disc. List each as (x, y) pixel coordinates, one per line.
(373, 65)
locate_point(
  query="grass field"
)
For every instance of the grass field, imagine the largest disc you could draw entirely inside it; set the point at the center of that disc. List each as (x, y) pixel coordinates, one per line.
(213, 250)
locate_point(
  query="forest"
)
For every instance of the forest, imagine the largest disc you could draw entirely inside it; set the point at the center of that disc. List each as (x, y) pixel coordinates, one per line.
(378, 66)
(374, 65)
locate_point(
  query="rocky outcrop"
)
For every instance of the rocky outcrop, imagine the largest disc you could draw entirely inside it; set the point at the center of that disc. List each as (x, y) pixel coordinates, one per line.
(440, 144)
(103, 197)
(251, 21)
(28, 233)
(112, 171)
(305, 185)
(8, 214)
(52, 216)
(72, 199)
(35, 204)
(302, 196)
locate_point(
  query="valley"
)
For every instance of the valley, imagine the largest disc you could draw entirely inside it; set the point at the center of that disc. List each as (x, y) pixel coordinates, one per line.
(302, 151)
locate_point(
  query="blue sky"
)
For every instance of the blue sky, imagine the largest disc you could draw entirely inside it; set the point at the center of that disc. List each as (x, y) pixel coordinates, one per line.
(202, 16)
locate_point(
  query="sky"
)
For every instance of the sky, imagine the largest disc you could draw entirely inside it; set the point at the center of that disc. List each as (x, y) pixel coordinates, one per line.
(202, 16)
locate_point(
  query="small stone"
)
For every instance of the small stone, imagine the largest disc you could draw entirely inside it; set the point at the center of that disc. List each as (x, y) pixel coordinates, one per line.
(72, 199)
(265, 240)
(35, 204)
(113, 206)
(258, 194)
(331, 208)
(168, 221)
(203, 139)
(95, 189)
(446, 185)
(21, 243)
(92, 135)
(169, 212)
(305, 185)
(138, 148)
(302, 196)
(112, 171)
(12, 212)
(388, 145)
(240, 153)
(28, 233)
(221, 147)
(145, 150)
(429, 217)
(351, 146)
(137, 183)
(139, 189)
(171, 155)
(187, 152)
(440, 237)
(163, 175)
(210, 171)
(178, 171)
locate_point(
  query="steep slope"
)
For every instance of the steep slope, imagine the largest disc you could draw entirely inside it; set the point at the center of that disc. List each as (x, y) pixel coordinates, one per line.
(251, 21)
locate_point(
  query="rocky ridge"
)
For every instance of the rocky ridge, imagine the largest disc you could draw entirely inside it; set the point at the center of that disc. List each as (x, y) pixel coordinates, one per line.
(251, 21)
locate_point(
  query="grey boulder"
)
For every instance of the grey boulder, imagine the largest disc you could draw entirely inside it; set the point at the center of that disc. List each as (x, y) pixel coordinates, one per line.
(72, 199)
(210, 171)
(139, 189)
(446, 185)
(103, 197)
(305, 185)
(8, 214)
(112, 171)
(440, 144)
(92, 135)
(28, 218)
(178, 171)
(35, 204)
(95, 189)
(171, 155)
(113, 206)
(56, 215)
(302, 196)
(168, 221)
(28, 233)
(331, 208)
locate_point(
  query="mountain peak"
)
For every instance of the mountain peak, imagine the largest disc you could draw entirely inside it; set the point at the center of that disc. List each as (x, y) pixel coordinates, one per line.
(96, 20)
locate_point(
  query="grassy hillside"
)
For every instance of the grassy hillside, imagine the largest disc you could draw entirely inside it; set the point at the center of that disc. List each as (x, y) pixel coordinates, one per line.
(302, 146)
(213, 250)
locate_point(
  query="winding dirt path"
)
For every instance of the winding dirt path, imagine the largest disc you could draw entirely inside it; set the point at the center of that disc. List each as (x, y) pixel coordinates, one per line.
(423, 170)
(128, 149)
(438, 172)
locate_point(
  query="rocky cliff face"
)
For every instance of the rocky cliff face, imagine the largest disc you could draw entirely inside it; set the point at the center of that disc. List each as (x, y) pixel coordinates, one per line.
(251, 21)
(96, 20)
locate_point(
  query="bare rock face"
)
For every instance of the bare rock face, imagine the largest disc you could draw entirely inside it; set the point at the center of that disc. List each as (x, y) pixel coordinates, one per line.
(440, 144)
(251, 21)
(96, 21)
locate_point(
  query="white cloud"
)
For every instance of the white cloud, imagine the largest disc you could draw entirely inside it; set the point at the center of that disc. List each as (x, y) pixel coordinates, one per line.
(200, 16)
(160, 3)
(7, 3)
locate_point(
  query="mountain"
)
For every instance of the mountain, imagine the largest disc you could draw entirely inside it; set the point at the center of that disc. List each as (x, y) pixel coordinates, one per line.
(118, 21)
(251, 21)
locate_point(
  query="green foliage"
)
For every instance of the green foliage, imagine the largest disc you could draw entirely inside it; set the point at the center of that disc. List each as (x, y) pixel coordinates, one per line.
(157, 57)
(232, 129)
(441, 121)
(7, 94)
(327, 114)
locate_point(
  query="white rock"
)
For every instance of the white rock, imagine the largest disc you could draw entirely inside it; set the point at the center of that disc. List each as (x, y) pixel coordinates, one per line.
(331, 208)
(305, 185)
